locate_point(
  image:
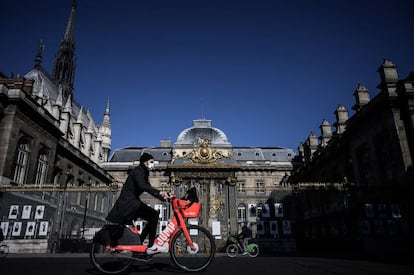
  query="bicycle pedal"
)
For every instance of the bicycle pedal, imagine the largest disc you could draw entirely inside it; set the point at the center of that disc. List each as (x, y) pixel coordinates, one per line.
(144, 258)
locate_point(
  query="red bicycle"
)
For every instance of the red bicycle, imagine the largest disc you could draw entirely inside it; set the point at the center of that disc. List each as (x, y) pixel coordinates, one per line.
(191, 247)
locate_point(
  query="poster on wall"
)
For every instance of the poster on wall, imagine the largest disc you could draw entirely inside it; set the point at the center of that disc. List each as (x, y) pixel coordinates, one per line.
(266, 210)
(278, 210)
(43, 228)
(40, 210)
(30, 229)
(5, 227)
(17, 228)
(14, 211)
(274, 230)
(216, 229)
(287, 230)
(27, 210)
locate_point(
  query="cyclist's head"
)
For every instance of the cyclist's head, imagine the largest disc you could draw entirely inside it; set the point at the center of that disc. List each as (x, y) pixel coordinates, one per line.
(146, 160)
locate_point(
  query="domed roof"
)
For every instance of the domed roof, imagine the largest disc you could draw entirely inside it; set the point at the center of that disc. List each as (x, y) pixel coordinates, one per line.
(202, 129)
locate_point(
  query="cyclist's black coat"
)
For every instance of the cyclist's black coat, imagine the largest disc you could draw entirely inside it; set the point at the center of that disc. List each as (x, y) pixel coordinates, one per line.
(128, 203)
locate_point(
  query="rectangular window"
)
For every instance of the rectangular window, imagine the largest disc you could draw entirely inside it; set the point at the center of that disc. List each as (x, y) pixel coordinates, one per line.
(241, 188)
(260, 187)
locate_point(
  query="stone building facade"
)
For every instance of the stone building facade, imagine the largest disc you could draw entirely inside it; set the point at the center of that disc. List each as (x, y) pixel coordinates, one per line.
(51, 183)
(234, 184)
(354, 185)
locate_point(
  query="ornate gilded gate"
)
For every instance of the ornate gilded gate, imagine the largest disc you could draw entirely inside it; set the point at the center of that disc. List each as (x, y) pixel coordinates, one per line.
(214, 180)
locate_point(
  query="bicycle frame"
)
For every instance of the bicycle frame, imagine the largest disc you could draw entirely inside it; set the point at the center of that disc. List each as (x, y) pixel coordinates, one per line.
(176, 223)
(189, 250)
(237, 241)
(249, 248)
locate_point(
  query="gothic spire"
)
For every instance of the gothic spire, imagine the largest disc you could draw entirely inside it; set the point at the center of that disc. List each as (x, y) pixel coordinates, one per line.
(64, 65)
(39, 54)
(105, 121)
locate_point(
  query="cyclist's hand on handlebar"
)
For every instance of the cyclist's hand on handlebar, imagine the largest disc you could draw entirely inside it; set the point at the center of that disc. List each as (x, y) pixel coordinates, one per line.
(164, 195)
(167, 195)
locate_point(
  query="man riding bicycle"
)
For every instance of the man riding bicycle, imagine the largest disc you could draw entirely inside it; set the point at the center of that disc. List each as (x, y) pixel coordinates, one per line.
(129, 205)
(245, 236)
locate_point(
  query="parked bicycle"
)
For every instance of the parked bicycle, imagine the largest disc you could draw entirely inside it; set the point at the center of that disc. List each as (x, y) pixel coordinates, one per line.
(191, 247)
(234, 246)
(4, 250)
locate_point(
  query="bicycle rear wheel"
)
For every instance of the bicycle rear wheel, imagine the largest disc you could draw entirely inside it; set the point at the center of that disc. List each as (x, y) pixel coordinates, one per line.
(4, 250)
(109, 261)
(196, 260)
(232, 250)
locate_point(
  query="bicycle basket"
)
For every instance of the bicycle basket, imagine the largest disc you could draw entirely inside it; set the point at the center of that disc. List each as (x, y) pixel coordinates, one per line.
(189, 210)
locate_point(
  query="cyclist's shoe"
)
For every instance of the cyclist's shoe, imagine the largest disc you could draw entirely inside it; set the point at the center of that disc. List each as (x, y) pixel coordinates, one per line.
(157, 249)
(245, 253)
(144, 257)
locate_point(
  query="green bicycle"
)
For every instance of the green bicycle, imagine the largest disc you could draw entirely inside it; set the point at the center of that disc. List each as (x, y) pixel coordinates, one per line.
(234, 247)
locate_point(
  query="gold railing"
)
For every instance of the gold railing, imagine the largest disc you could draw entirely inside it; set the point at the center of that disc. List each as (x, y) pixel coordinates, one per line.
(57, 188)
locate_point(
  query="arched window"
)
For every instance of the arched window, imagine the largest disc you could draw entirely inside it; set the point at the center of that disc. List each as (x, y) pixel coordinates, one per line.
(21, 161)
(42, 166)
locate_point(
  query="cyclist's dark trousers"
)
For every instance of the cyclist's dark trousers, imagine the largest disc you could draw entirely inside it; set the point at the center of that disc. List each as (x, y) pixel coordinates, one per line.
(151, 216)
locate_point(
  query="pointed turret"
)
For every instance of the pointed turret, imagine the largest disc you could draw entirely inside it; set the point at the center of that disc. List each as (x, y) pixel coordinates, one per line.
(105, 131)
(38, 59)
(105, 121)
(341, 114)
(389, 78)
(361, 97)
(64, 65)
(310, 146)
(326, 133)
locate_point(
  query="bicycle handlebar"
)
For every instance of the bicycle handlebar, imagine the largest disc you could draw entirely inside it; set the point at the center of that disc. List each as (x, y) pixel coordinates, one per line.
(170, 196)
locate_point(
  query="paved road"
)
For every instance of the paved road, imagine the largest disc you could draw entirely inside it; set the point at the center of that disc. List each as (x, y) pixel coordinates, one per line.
(79, 264)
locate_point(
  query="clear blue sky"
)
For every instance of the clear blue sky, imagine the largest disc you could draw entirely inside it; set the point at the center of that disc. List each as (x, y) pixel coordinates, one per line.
(265, 72)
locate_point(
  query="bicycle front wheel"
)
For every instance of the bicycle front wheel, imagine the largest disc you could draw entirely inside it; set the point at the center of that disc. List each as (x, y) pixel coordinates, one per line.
(193, 260)
(232, 250)
(4, 250)
(110, 261)
(254, 251)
